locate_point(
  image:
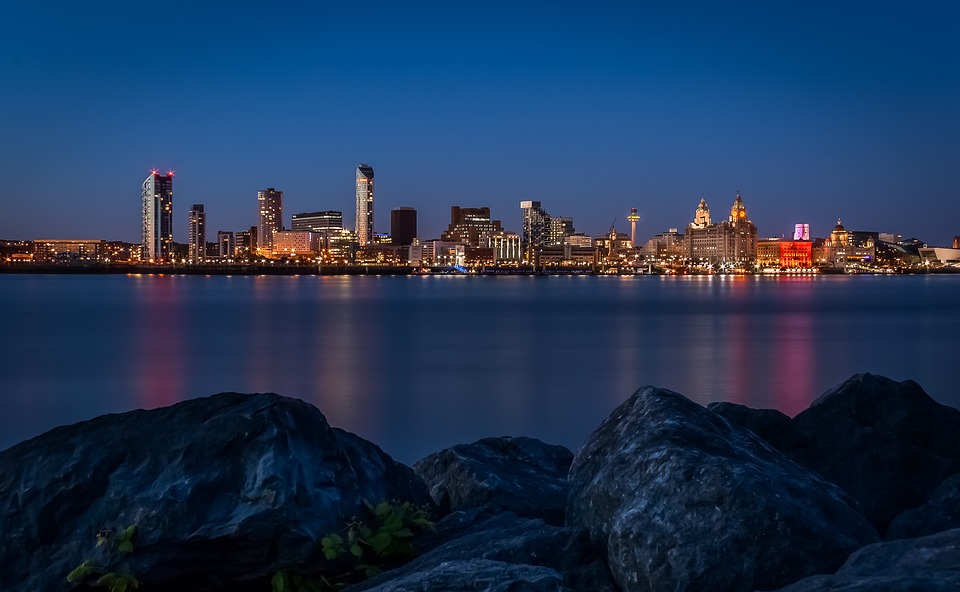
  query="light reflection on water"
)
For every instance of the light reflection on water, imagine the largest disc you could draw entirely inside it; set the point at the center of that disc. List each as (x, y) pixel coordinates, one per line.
(419, 363)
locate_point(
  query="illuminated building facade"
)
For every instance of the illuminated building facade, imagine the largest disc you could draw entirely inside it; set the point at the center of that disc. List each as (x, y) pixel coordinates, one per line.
(226, 244)
(68, 251)
(403, 225)
(768, 254)
(327, 225)
(197, 234)
(317, 221)
(733, 241)
(534, 228)
(157, 217)
(470, 225)
(796, 254)
(558, 229)
(364, 223)
(846, 248)
(505, 245)
(295, 243)
(270, 202)
(665, 246)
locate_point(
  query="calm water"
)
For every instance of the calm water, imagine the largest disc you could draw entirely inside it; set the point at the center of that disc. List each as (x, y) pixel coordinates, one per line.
(420, 363)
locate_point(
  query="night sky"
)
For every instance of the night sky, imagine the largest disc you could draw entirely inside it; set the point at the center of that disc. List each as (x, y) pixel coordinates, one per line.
(812, 111)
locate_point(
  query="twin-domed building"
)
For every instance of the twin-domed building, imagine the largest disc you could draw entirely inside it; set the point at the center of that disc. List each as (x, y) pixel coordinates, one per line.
(733, 241)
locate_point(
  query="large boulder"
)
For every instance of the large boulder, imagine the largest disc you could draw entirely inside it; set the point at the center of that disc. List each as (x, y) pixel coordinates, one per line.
(927, 564)
(773, 426)
(476, 575)
(520, 475)
(507, 539)
(224, 491)
(941, 512)
(680, 499)
(886, 443)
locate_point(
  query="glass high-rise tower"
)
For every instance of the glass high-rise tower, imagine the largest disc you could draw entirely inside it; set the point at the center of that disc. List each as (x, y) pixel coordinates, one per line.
(157, 212)
(364, 225)
(197, 234)
(270, 202)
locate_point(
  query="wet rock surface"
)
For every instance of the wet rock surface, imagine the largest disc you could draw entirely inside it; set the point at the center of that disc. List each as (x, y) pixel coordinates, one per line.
(930, 563)
(507, 539)
(886, 443)
(678, 498)
(224, 491)
(941, 512)
(665, 495)
(520, 475)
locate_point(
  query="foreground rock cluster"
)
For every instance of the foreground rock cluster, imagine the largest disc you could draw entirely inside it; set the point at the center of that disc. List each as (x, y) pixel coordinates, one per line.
(859, 492)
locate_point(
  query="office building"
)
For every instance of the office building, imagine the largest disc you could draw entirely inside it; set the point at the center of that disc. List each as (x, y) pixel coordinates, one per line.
(270, 221)
(470, 225)
(226, 243)
(68, 251)
(558, 229)
(535, 223)
(157, 229)
(665, 247)
(364, 222)
(295, 243)
(403, 225)
(505, 246)
(317, 221)
(197, 234)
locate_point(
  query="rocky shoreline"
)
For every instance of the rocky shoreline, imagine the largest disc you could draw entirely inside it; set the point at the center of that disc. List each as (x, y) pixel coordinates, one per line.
(861, 491)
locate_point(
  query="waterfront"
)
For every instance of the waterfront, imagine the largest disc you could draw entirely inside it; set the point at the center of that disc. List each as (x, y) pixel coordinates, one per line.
(419, 363)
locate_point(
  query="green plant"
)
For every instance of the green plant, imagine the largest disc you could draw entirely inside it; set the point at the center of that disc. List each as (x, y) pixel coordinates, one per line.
(110, 569)
(369, 545)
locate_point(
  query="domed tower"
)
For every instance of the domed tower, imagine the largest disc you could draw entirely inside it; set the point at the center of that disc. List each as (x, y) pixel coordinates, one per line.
(701, 219)
(839, 235)
(738, 213)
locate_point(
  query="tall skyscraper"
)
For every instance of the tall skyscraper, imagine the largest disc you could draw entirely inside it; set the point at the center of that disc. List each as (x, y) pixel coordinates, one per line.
(271, 218)
(157, 200)
(403, 225)
(536, 223)
(364, 225)
(197, 234)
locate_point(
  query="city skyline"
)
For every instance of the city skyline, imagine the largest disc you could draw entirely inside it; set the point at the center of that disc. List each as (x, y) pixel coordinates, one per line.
(813, 113)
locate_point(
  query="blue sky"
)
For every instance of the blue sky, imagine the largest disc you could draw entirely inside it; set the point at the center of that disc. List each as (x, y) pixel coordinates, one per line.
(812, 111)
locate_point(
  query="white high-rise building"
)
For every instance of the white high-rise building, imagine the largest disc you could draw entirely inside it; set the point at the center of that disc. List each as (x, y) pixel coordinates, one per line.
(364, 226)
(157, 217)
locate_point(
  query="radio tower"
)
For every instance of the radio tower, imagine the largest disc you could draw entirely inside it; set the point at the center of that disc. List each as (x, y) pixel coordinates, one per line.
(634, 218)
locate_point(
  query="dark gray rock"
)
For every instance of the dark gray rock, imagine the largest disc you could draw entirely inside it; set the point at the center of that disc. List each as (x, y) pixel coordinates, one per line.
(476, 575)
(519, 475)
(508, 539)
(886, 443)
(771, 425)
(922, 564)
(681, 499)
(224, 490)
(941, 512)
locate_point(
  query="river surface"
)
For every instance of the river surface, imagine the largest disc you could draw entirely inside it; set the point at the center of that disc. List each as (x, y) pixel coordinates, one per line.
(416, 364)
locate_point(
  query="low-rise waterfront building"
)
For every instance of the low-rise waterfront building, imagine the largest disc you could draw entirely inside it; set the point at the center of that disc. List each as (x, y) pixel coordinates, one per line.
(295, 243)
(68, 251)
